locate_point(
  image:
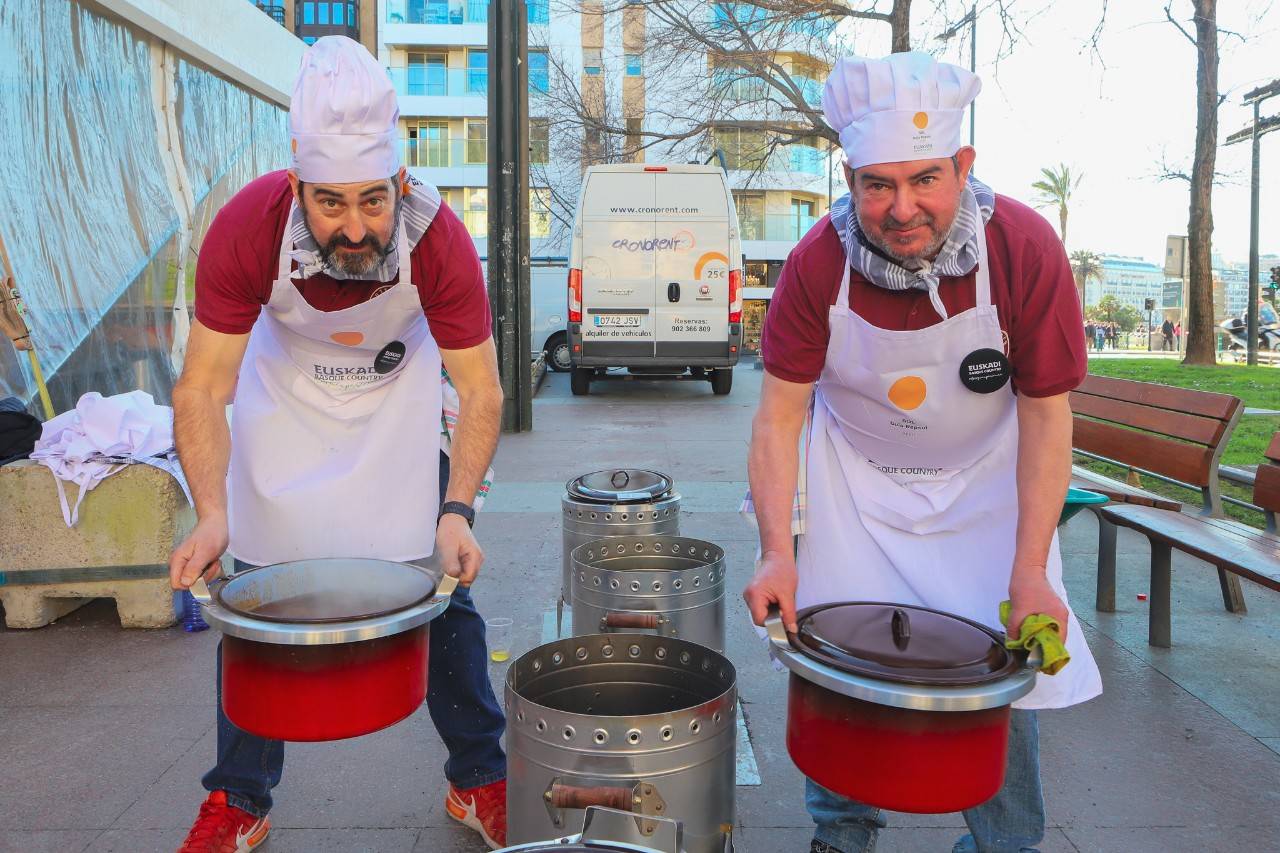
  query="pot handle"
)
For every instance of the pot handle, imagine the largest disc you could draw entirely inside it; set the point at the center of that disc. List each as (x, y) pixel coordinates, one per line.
(777, 632)
(638, 621)
(573, 797)
(201, 592)
(446, 587)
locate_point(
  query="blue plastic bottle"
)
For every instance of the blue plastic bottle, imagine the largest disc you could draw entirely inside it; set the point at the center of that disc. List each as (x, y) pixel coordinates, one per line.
(192, 621)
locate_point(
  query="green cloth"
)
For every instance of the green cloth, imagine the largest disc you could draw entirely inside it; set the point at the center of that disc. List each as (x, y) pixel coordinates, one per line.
(1041, 630)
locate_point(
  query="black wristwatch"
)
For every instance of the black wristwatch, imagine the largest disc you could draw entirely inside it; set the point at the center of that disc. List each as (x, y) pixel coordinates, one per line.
(458, 508)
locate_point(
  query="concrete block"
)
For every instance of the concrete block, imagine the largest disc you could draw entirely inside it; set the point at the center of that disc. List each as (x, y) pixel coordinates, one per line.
(132, 518)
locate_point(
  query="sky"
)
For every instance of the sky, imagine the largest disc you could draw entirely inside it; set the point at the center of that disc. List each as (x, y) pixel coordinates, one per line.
(1113, 117)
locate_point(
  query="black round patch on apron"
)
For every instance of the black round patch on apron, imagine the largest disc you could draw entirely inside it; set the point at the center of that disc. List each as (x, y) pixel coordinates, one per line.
(389, 358)
(984, 371)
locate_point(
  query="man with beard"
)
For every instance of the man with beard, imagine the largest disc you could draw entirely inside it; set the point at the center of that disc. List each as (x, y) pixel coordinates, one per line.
(930, 330)
(328, 297)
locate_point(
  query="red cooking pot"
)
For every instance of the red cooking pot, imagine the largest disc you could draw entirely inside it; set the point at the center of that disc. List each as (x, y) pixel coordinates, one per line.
(318, 650)
(899, 707)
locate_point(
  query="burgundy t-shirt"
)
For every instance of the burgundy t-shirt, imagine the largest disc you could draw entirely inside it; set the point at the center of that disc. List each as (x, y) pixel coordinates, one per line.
(241, 252)
(1031, 286)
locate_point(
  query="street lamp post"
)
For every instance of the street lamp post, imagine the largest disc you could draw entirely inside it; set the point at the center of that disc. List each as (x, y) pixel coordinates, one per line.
(1254, 133)
(970, 18)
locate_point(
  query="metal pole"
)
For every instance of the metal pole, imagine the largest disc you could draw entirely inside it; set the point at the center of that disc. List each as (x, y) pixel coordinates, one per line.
(973, 66)
(1252, 308)
(509, 207)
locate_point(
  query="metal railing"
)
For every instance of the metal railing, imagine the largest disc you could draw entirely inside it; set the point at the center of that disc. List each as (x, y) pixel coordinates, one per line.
(438, 81)
(275, 13)
(456, 11)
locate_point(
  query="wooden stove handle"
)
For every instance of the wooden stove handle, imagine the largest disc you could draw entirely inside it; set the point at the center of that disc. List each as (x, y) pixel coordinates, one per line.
(574, 797)
(649, 621)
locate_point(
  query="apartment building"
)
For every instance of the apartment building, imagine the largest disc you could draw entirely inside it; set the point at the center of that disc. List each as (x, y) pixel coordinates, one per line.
(310, 20)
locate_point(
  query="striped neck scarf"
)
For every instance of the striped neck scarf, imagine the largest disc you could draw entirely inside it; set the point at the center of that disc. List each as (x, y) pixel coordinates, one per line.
(417, 209)
(957, 257)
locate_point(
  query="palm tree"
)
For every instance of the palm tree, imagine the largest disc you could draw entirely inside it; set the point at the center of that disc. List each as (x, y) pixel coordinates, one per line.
(1054, 190)
(1085, 266)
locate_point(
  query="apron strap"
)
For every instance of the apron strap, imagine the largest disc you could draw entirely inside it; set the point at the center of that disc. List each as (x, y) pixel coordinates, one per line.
(842, 298)
(285, 266)
(982, 282)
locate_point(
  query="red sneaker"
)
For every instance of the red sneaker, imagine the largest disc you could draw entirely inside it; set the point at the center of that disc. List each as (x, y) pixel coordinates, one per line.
(220, 828)
(484, 809)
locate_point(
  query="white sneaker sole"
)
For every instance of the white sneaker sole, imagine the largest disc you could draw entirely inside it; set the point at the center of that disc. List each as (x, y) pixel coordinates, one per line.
(469, 819)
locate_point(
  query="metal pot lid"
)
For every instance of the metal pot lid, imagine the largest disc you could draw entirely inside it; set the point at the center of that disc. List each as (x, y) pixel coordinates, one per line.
(620, 486)
(313, 592)
(903, 643)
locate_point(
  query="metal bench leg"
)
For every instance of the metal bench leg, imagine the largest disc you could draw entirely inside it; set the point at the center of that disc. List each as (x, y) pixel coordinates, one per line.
(1106, 597)
(1232, 594)
(1158, 631)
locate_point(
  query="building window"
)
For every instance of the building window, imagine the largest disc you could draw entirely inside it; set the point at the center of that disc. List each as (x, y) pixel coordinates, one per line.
(428, 144)
(477, 141)
(539, 11)
(309, 39)
(309, 13)
(475, 213)
(539, 140)
(743, 149)
(802, 218)
(477, 72)
(428, 74)
(339, 14)
(539, 212)
(750, 207)
(635, 65)
(323, 19)
(592, 63)
(539, 76)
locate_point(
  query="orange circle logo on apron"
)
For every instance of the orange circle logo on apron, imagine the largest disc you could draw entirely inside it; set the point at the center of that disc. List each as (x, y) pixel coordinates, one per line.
(347, 339)
(907, 393)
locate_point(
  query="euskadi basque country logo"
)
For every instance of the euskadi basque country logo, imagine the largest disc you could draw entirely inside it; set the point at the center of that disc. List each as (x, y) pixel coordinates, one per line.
(922, 140)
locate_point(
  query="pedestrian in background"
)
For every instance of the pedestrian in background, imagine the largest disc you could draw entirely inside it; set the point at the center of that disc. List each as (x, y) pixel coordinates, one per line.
(1166, 331)
(1088, 334)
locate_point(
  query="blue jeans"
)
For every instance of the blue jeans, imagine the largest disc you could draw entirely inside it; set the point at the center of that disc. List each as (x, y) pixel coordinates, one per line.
(1010, 822)
(460, 700)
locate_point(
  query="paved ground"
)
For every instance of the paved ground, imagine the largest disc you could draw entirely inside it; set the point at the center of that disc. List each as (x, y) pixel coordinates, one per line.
(104, 733)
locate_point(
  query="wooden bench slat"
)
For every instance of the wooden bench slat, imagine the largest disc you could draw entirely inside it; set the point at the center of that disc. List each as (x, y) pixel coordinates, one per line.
(1207, 404)
(1206, 431)
(1266, 487)
(1189, 463)
(1256, 561)
(1235, 528)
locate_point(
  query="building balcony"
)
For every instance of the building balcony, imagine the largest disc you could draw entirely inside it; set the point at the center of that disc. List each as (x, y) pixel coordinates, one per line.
(459, 92)
(273, 11)
(454, 162)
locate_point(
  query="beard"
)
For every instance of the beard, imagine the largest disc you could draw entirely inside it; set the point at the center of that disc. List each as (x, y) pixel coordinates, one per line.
(360, 258)
(888, 225)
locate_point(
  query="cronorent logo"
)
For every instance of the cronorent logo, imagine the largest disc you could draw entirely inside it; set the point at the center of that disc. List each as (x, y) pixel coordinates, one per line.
(681, 241)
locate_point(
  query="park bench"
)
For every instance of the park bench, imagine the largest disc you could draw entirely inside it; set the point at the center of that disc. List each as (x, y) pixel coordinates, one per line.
(1230, 546)
(1175, 434)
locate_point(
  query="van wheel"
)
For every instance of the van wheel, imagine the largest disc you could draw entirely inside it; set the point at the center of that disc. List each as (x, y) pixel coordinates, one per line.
(559, 356)
(580, 381)
(722, 380)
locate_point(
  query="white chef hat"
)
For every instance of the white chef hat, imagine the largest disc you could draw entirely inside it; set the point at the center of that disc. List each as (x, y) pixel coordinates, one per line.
(343, 115)
(906, 106)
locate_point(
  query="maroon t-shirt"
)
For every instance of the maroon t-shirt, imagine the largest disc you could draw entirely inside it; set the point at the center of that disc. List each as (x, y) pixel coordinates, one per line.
(1031, 286)
(240, 258)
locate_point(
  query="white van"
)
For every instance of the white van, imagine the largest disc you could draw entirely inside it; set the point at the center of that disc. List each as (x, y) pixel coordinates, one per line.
(655, 275)
(548, 329)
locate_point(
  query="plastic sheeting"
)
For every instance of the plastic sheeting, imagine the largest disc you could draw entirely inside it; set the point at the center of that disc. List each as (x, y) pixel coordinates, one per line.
(86, 209)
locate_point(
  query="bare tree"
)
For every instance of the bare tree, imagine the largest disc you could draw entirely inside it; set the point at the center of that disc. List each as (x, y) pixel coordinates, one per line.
(1201, 330)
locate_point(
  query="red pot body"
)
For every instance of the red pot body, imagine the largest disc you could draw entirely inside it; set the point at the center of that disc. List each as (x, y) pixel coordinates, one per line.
(326, 692)
(926, 762)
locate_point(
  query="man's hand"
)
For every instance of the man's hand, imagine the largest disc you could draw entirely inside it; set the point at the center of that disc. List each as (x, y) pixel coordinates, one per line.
(774, 583)
(460, 554)
(1033, 594)
(199, 553)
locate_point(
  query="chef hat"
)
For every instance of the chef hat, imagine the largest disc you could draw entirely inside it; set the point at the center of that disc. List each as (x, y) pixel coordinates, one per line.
(907, 106)
(343, 115)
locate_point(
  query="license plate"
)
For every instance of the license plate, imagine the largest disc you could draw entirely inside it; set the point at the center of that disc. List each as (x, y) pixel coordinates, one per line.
(618, 321)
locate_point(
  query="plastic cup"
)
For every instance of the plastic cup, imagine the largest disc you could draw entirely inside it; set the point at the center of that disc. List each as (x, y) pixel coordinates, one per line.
(498, 634)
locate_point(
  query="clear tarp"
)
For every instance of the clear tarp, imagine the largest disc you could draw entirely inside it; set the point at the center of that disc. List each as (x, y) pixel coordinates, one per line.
(86, 211)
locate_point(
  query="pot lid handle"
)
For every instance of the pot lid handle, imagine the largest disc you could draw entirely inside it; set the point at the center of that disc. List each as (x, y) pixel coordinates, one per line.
(200, 591)
(901, 628)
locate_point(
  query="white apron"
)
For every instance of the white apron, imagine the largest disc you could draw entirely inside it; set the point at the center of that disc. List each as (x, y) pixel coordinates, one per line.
(336, 441)
(932, 520)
